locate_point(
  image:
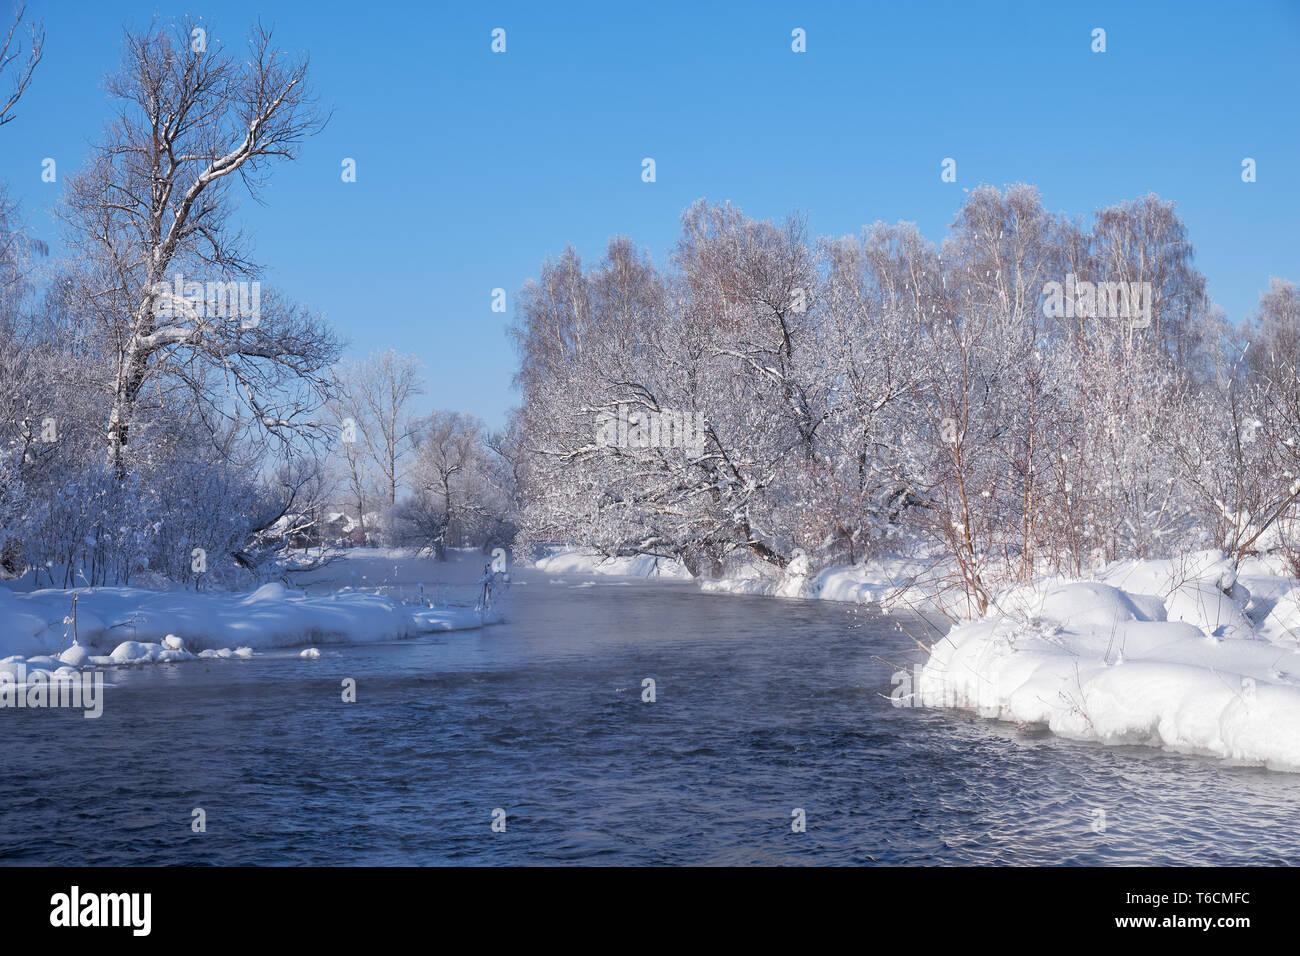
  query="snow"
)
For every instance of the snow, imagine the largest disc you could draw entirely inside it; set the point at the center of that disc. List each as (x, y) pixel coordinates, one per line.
(75, 656)
(1201, 589)
(1282, 625)
(749, 578)
(1162, 653)
(567, 560)
(130, 626)
(1186, 654)
(887, 581)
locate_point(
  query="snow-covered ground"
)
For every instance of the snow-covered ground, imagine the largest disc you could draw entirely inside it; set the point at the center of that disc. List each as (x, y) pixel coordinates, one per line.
(888, 582)
(565, 560)
(1183, 654)
(884, 581)
(357, 598)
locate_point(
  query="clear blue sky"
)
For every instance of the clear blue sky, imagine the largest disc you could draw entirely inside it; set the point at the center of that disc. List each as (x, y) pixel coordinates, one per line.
(474, 166)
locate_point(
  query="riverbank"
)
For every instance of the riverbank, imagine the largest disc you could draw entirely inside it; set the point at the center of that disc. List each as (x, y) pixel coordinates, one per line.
(1185, 654)
(123, 625)
(1188, 655)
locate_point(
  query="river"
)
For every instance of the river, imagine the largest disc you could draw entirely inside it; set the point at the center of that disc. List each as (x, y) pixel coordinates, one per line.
(762, 707)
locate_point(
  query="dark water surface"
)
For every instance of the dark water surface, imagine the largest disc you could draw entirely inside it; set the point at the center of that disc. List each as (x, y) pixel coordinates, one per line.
(763, 706)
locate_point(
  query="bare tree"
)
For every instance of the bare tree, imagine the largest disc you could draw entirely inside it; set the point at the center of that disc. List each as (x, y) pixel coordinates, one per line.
(153, 210)
(883, 393)
(377, 394)
(354, 463)
(449, 474)
(12, 57)
(1264, 448)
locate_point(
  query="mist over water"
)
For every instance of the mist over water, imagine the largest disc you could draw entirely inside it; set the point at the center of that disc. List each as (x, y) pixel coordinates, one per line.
(762, 706)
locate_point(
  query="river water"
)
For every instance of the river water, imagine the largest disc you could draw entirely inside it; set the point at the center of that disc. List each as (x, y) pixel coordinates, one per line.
(762, 707)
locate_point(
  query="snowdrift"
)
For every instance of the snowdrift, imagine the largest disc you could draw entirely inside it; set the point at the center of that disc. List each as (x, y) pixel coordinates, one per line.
(1160, 653)
(133, 625)
(887, 581)
(567, 560)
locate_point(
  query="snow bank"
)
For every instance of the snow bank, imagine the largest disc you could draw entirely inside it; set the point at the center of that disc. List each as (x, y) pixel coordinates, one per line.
(1162, 653)
(137, 652)
(566, 560)
(1201, 589)
(428, 620)
(1282, 625)
(888, 581)
(760, 577)
(875, 582)
(130, 625)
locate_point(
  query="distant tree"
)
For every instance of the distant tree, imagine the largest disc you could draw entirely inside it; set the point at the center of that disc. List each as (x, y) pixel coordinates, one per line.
(376, 395)
(451, 487)
(351, 460)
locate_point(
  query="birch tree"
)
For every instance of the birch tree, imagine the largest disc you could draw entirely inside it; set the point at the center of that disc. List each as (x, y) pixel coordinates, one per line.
(376, 395)
(16, 65)
(154, 210)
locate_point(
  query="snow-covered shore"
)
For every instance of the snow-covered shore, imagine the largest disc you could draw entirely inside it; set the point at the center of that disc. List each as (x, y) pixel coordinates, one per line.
(565, 560)
(1185, 654)
(887, 582)
(1182, 654)
(122, 625)
(879, 582)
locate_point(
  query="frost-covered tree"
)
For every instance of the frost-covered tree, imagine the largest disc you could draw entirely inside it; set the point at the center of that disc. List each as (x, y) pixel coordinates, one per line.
(159, 256)
(1263, 489)
(372, 405)
(104, 341)
(661, 415)
(450, 482)
(861, 394)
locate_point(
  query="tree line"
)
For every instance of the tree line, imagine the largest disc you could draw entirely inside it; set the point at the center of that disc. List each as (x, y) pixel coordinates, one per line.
(882, 393)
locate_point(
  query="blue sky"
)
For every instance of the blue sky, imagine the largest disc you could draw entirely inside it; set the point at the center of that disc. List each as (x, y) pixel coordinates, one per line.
(472, 167)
